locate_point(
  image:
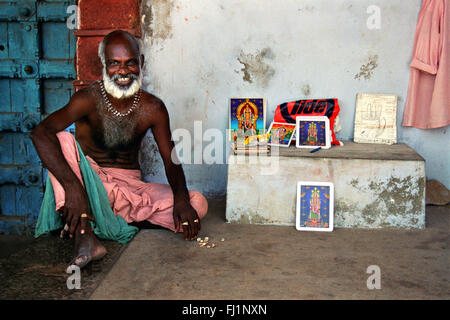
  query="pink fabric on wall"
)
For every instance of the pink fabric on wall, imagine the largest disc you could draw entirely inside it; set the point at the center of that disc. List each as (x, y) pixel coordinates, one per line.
(131, 198)
(428, 102)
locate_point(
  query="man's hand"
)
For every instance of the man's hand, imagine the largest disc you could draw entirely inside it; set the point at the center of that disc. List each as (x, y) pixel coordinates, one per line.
(184, 212)
(76, 204)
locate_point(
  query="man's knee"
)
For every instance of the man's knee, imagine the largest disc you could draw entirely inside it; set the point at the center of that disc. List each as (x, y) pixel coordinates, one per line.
(199, 203)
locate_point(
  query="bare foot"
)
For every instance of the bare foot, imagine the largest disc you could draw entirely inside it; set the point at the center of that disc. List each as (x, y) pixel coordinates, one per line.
(87, 248)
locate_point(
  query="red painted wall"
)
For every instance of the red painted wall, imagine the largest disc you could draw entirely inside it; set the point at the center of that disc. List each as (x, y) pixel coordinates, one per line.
(97, 19)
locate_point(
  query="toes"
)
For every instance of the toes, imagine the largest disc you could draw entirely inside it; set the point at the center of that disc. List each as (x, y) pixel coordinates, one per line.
(81, 261)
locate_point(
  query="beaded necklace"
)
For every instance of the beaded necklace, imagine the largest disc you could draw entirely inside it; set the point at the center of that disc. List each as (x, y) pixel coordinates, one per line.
(109, 106)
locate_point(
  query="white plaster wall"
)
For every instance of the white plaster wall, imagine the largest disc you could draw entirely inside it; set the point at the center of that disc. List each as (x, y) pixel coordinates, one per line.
(200, 53)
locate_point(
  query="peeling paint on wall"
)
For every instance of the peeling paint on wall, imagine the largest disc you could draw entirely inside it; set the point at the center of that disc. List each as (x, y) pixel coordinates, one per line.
(401, 197)
(366, 70)
(255, 68)
(306, 90)
(156, 22)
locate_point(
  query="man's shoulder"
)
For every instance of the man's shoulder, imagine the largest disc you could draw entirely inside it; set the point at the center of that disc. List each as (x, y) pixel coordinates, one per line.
(152, 102)
(87, 94)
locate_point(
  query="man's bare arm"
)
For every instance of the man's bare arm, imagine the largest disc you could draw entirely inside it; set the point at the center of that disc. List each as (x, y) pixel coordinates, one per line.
(49, 150)
(183, 210)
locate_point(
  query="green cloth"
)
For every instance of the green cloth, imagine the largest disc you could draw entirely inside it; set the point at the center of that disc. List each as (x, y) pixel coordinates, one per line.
(106, 226)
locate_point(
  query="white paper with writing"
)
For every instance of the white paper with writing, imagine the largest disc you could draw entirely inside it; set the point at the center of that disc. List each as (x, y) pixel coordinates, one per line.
(375, 118)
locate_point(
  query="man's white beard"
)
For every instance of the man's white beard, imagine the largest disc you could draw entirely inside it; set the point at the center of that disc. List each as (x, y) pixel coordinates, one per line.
(117, 91)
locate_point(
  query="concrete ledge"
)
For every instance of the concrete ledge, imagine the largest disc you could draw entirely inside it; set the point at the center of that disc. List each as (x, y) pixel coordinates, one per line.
(376, 186)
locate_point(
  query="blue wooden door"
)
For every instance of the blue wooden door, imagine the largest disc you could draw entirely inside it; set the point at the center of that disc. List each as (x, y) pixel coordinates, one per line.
(36, 72)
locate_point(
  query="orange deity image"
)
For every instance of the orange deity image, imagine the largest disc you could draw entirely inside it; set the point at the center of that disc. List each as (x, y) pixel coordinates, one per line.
(246, 117)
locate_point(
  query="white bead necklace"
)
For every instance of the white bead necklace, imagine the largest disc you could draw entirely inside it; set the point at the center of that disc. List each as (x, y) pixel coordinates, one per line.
(109, 106)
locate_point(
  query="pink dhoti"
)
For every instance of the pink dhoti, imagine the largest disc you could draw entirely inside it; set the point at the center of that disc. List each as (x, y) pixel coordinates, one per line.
(129, 196)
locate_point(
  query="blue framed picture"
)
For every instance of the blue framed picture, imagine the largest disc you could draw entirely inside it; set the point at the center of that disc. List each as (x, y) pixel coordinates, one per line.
(313, 132)
(247, 117)
(315, 206)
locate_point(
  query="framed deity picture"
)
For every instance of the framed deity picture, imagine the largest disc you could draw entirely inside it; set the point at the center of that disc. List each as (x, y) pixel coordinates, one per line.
(247, 117)
(313, 132)
(281, 134)
(315, 206)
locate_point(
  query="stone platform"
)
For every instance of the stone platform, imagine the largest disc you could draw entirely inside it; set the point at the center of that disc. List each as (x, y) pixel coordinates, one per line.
(376, 186)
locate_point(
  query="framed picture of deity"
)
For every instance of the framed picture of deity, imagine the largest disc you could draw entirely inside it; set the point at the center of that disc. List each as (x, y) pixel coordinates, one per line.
(247, 117)
(281, 134)
(313, 132)
(315, 206)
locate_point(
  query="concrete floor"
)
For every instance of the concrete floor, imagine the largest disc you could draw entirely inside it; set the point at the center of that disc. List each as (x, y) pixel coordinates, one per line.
(278, 262)
(36, 268)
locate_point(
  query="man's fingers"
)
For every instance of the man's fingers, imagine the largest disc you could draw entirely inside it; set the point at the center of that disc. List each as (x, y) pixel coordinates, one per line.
(195, 226)
(198, 227)
(64, 231)
(186, 232)
(191, 230)
(177, 224)
(69, 217)
(73, 225)
(194, 230)
(64, 213)
(83, 224)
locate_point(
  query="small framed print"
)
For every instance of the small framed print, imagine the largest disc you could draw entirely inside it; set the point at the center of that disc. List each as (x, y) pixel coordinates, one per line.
(315, 206)
(281, 134)
(313, 132)
(247, 117)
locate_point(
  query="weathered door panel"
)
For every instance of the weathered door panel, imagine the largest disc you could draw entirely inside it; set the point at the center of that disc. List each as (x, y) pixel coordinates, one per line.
(55, 91)
(36, 70)
(23, 40)
(18, 10)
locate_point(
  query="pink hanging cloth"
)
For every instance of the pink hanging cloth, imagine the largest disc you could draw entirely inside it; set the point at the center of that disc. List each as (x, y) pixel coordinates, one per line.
(428, 102)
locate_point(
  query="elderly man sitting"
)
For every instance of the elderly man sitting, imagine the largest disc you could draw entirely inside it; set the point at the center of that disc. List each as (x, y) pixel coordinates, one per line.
(99, 171)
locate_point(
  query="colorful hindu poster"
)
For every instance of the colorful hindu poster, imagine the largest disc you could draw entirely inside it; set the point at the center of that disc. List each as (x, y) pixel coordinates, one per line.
(313, 132)
(247, 117)
(281, 134)
(315, 208)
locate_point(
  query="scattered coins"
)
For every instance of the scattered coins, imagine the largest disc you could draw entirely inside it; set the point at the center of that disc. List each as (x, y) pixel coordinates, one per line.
(205, 242)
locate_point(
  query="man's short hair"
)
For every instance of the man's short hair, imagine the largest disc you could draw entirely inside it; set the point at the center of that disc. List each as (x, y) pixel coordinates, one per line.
(102, 44)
